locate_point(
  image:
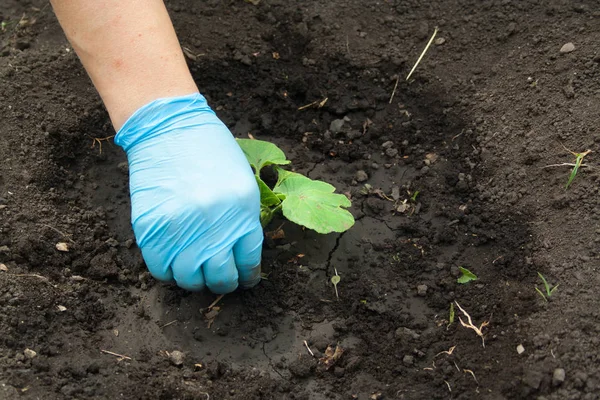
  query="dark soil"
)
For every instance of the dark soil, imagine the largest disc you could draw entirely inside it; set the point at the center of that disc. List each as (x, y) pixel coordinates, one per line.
(471, 132)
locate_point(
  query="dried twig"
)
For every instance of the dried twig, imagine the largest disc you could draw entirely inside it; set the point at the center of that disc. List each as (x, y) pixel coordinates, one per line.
(168, 323)
(308, 348)
(470, 324)
(43, 278)
(318, 103)
(567, 164)
(65, 235)
(121, 356)
(214, 303)
(416, 64)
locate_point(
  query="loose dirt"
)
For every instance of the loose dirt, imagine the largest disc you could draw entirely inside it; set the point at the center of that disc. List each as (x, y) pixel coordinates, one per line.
(489, 107)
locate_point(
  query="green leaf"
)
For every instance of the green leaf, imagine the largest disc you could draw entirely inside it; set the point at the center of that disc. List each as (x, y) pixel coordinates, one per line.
(267, 197)
(260, 153)
(467, 276)
(313, 204)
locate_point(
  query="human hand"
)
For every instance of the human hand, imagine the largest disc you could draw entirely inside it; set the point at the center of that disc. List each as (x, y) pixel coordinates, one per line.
(194, 199)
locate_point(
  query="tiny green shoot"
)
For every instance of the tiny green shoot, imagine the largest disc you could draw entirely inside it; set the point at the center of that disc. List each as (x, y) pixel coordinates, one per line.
(413, 198)
(307, 202)
(578, 160)
(466, 276)
(451, 317)
(335, 280)
(547, 288)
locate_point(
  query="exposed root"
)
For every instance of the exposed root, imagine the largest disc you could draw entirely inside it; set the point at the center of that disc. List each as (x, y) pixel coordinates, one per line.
(477, 330)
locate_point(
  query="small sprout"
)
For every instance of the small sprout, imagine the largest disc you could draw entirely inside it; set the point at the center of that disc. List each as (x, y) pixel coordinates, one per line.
(547, 287)
(413, 198)
(307, 202)
(452, 315)
(335, 280)
(466, 276)
(578, 161)
(363, 301)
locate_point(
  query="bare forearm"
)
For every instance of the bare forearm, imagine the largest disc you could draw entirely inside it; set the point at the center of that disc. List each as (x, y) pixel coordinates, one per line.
(129, 49)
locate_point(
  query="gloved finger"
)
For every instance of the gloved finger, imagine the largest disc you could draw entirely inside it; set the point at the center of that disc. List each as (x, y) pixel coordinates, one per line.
(247, 251)
(187, 270)
(220, 272)
(157, 266)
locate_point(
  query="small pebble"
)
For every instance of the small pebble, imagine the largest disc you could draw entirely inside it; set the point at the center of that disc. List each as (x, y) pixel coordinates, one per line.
(391, 152)
(30, 354)
(567, 48)
(520, 349)
(439, 41)
(336, 125)
(422, 290)
(176, 357)
(408, 360)
(558, 377)
(361, 176)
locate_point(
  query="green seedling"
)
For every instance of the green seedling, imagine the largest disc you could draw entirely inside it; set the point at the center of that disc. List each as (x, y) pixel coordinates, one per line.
(413, 198)
(548, 289)
(466, 276)
(307, 202)
(335, 280)
(578, 160)
(451, 317)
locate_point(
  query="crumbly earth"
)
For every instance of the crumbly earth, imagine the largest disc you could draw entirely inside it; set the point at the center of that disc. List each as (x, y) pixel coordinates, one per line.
(457, 171)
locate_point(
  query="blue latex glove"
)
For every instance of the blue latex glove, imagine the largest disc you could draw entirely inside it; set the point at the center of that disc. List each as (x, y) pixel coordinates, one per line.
(194, 199)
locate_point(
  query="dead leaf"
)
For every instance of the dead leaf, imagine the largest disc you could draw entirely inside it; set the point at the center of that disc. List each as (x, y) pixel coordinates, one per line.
(278, 233)
(331, 356)
(403, 207)
(62, 246)
(430, 158)
(296, 259)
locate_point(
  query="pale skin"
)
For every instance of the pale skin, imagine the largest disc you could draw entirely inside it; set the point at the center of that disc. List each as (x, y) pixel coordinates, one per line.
(129, 49)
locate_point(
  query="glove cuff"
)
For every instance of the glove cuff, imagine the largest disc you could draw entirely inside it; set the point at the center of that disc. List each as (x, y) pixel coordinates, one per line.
(161, 115)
